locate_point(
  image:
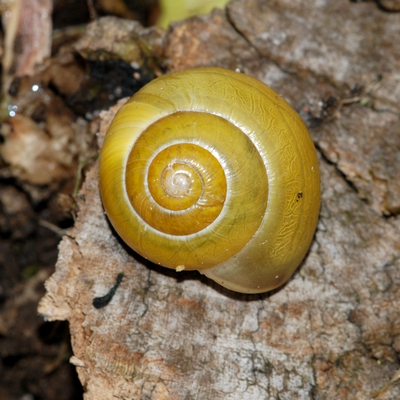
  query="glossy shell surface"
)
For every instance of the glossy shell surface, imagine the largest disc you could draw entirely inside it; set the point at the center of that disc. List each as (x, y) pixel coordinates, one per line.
(210, 169)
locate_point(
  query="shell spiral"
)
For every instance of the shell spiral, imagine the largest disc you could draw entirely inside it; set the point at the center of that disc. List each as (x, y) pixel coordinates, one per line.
(209, 169)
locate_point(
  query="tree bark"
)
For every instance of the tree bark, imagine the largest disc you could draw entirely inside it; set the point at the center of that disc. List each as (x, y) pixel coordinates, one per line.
(333, 331)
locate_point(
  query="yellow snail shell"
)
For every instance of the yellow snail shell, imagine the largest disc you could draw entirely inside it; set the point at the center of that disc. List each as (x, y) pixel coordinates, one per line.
(211, 170)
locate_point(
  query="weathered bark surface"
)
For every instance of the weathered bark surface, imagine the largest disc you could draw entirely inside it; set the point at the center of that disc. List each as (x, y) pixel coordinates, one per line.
(333, 331)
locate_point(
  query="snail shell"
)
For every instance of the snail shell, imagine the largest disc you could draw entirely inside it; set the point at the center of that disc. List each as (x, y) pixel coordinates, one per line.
(210, 169)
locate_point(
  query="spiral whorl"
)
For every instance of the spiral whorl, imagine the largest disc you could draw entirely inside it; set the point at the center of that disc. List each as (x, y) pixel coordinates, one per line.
(202, 170)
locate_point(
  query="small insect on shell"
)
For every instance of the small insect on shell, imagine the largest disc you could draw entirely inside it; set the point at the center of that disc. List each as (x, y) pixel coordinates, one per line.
(211, 170)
